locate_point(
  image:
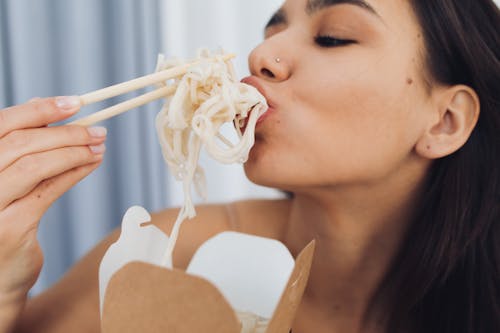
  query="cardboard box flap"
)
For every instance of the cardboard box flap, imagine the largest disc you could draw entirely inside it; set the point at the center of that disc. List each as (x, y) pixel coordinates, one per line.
(284, 315)
(150, 299)
(235, 283)
(137, 242)
(146, 298)
(250, 271)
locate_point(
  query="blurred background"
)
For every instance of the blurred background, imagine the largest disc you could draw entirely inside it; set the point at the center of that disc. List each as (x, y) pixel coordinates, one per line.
(70, 47)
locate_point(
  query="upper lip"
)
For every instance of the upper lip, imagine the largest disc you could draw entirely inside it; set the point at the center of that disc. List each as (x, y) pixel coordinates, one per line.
(255, 82)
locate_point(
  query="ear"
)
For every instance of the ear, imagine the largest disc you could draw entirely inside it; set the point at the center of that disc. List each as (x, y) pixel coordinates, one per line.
(457, 111)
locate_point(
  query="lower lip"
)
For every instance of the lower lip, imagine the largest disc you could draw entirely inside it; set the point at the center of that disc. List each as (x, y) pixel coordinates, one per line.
(259, 120)
(264, 115)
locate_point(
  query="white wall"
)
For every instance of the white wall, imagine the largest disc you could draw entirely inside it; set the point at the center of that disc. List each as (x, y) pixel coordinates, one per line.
(236, 26)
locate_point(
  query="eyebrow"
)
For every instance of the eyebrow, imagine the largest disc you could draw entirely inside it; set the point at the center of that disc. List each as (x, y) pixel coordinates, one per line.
(278, 18)
(314, 6)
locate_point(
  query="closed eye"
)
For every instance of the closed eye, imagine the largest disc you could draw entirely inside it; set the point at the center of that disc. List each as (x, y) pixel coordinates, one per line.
(329, 41)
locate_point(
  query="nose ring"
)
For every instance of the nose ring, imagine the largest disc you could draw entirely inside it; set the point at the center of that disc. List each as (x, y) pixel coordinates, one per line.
(278, 60)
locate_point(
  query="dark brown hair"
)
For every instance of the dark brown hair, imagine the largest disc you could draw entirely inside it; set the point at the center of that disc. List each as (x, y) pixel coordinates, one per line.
(446, 278)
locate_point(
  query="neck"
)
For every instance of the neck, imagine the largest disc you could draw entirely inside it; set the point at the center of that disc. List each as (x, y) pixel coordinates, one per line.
(358, 231)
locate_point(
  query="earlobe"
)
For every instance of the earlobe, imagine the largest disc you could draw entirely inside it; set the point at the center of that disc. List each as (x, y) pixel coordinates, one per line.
(458, 109)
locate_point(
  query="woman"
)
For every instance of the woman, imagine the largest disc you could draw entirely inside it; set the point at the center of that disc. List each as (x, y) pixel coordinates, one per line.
(383, 125)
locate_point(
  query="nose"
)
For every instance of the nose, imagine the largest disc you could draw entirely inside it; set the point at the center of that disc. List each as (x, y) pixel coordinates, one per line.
(270, 61)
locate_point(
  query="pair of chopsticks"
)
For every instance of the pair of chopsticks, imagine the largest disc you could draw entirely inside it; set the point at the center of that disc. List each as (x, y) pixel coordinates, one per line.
(128, 86)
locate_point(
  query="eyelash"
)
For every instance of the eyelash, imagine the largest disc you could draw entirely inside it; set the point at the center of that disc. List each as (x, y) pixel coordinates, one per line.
(329, 41)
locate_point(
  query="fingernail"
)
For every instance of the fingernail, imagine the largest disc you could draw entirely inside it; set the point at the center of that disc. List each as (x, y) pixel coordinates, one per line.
(98, 149)
(97, 132)
(68, 103)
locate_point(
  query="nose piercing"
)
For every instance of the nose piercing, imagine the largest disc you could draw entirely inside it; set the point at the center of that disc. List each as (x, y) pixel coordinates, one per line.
(277, 60)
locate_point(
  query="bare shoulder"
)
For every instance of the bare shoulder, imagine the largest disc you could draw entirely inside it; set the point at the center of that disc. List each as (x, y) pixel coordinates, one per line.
(259, 217)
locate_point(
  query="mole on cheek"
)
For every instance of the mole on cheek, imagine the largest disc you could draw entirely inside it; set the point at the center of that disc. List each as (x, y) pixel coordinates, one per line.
(409, 80)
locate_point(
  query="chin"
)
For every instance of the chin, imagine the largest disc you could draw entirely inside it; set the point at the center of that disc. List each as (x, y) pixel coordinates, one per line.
(268, 175)
(258, 174)
(267, 167)
(255, 174)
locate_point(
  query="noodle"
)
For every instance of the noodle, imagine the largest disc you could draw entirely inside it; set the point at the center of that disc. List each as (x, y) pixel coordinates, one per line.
(251, 323)
(207, 96)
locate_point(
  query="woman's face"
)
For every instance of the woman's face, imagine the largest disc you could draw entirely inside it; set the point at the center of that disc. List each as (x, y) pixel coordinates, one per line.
(345, 86)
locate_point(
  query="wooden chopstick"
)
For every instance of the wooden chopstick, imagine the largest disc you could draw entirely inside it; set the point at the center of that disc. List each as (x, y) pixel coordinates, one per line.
(128, 86)
(125, 106)
(141, 82)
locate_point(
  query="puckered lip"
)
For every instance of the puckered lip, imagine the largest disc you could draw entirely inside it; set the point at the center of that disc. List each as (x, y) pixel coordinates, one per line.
(255, 82)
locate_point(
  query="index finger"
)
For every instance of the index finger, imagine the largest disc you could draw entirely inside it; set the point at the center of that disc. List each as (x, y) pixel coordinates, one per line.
(38, 113)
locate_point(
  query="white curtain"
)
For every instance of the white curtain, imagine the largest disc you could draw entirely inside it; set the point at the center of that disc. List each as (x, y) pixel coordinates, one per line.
(235, 26)
(65, 47)
(70, 47)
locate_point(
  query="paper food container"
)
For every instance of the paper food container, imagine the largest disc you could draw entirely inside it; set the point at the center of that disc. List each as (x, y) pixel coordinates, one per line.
(234, 283)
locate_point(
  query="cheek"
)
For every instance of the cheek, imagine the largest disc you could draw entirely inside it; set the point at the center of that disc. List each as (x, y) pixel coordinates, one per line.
(323, 150)
(346, 128)
(362, 121)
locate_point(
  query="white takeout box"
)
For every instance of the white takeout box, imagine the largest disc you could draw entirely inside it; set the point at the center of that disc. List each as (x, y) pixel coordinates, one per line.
(231, 272)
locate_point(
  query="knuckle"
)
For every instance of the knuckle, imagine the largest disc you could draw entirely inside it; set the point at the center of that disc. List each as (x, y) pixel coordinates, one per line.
(47, 192)
(29, 165)
(17, 139)
(45, 108)
(75, 155)
(36, 106)
(84, 153)
(42, 189)
(77, 133)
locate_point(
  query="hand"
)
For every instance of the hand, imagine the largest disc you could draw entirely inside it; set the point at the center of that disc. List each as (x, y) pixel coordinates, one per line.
(37, 165)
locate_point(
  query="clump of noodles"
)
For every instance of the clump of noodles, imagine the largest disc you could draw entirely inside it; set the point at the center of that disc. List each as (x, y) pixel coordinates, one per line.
(252, 323)
(207, 96)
